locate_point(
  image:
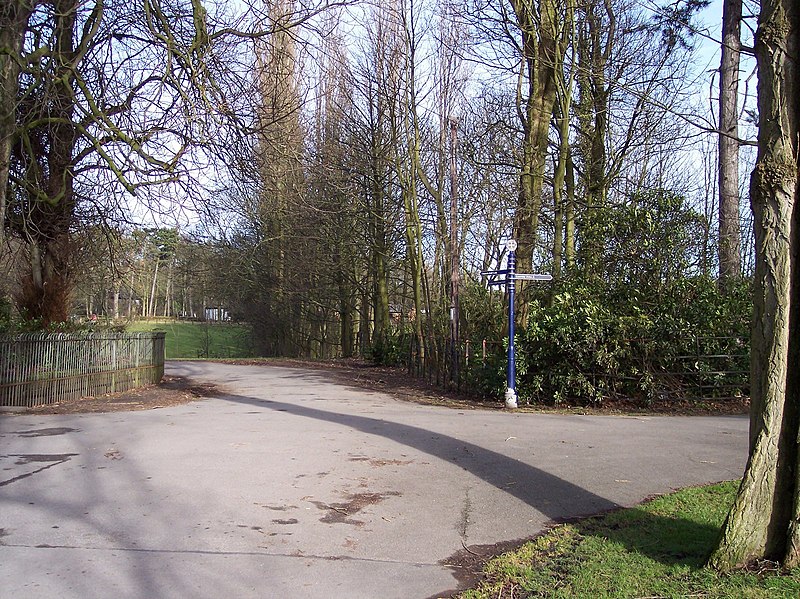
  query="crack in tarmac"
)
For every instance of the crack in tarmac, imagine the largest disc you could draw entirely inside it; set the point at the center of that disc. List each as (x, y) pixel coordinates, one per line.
(466, 511)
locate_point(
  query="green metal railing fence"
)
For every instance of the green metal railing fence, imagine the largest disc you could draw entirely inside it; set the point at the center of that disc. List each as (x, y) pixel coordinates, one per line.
(45, 368)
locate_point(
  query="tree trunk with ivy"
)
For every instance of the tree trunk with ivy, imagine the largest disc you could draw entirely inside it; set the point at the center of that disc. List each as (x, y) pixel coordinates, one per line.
(764, 522)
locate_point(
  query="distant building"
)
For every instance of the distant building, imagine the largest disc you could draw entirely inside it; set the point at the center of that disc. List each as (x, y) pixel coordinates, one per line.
(217, 314)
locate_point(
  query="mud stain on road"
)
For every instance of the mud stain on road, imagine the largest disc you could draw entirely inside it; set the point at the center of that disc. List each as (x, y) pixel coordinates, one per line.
(339, 513)
(278, 508)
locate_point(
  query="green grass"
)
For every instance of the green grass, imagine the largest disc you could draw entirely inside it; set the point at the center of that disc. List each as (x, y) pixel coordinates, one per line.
(655, 550)
(201, 340)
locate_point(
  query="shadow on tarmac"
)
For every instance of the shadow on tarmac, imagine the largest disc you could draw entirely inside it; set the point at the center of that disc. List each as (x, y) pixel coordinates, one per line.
(95, 510)
(554, 497)
(551, 495)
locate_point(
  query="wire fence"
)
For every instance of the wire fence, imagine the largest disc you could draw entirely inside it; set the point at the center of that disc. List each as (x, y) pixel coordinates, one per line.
(468, 366)
(46, 368)
(718, 368)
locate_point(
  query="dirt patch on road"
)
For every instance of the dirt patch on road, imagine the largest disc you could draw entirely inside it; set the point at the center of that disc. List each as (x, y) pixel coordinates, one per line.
(171, 391)
(339, 513)
(467, 564)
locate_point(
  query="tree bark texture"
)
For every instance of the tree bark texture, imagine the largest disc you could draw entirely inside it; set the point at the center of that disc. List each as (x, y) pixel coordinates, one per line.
(765, 518)
(13, 17)
(542, 34)
(730, 263)
(44, 150)
(563, 106)
(596, 42)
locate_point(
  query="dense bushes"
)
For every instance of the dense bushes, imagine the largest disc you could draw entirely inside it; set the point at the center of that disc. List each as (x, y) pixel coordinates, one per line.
(631, 322)
(588, 345)
(638, 325)
(390, 351)
(585, 345)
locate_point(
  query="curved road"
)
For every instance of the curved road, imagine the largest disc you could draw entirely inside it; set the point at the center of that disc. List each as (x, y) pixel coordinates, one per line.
(290, 485)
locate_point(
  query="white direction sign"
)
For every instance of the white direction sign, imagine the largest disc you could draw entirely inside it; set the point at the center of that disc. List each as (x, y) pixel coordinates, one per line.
(532, 277)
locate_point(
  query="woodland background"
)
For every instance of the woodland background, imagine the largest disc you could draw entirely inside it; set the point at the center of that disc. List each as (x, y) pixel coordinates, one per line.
(338, 174)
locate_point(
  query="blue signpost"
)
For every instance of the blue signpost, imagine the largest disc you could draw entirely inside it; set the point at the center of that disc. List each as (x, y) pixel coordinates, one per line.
(511, 276)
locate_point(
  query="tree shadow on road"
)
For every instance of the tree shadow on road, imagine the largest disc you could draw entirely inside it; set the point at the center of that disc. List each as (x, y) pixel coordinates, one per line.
(667, 540)
(547, 493)
(95, 538)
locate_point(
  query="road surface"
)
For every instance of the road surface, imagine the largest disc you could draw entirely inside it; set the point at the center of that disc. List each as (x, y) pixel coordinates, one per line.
(291, 485)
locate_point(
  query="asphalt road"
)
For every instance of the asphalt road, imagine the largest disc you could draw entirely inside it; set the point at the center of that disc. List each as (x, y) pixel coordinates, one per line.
(289, 485)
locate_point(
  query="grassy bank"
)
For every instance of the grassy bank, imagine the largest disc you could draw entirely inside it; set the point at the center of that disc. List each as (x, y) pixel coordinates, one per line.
(655, 550)
(201, 339)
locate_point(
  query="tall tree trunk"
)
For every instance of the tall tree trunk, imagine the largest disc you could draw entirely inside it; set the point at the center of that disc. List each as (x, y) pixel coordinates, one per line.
(189, 302)
(730, 263)
(569, 216)
(168, 299)
(131, 292)
(543, 34)
(345, 321)
(364, 320)
(13, 17)
(764, 522)
(152, 303)
(48, 181)
(455, 258)
(563, 105)
(413, 234)
(380, 252)
(595, 47)
(406, 127)
(115, 301)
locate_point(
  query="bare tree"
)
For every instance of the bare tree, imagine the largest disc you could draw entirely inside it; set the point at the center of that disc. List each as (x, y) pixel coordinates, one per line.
(542, 49)
(88, 93)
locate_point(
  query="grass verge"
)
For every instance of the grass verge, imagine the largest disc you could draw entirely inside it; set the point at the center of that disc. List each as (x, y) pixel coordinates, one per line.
(652, 551)
(201, 339)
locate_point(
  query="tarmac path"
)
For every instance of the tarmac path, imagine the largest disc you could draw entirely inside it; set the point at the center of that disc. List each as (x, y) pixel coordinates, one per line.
(289, 485)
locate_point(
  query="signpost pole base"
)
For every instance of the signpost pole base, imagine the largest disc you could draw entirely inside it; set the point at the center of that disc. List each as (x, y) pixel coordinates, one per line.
(511, 398)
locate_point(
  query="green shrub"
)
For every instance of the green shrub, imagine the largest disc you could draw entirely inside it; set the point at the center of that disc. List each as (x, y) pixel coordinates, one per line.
(589, 344)
(390, 351)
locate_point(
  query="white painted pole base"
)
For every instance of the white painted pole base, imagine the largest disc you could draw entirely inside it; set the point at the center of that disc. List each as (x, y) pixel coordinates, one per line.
(511, 398)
